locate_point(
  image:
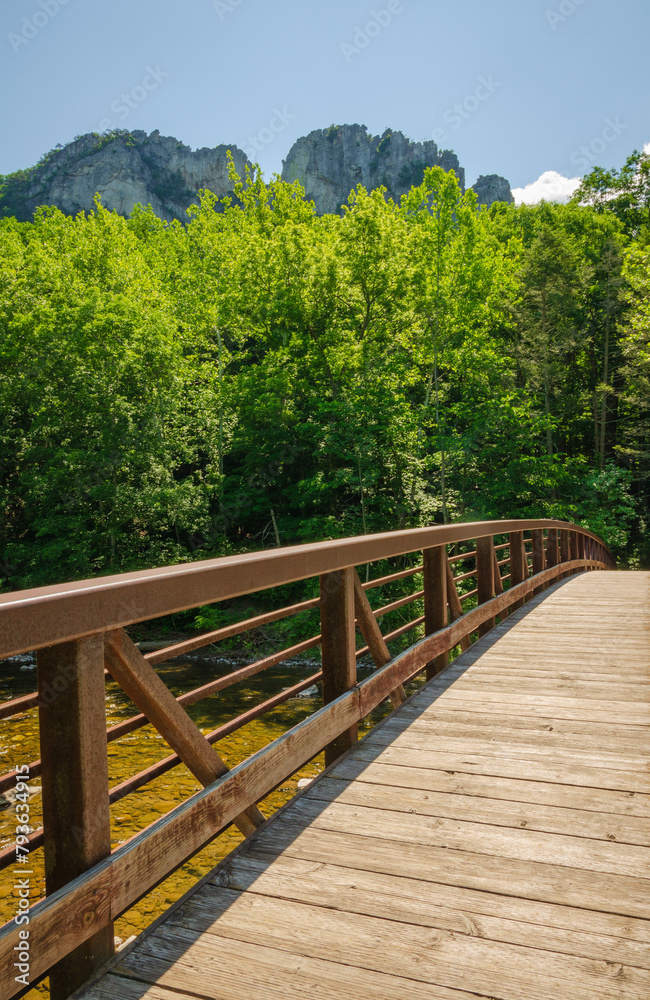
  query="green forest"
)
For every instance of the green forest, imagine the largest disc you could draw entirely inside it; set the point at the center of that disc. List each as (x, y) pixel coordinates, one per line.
(263, 376)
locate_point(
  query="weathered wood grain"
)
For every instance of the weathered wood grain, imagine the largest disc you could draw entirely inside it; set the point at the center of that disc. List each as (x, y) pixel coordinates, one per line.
(490, 839)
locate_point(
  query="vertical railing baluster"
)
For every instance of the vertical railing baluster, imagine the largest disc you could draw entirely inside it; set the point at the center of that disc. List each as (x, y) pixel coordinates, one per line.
(338, 648)
(485, 576)
(76, 813)
(435, 600)
(552, 548)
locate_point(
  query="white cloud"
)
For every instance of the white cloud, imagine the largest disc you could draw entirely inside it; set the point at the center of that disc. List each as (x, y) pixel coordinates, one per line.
(550, 186)
(646, 148)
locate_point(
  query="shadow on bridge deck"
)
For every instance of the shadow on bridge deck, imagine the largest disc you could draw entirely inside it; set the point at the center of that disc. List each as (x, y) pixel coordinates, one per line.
(488, 840)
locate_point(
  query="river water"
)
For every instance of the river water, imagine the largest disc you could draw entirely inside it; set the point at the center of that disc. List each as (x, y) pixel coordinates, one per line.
(19, 744)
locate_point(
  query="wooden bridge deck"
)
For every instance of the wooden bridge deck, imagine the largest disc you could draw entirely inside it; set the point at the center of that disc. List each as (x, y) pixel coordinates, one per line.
(488, 840)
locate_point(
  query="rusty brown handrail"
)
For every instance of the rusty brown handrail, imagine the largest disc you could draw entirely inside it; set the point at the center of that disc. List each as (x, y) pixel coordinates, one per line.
(9, 708)
(72, 611)
(47, 618)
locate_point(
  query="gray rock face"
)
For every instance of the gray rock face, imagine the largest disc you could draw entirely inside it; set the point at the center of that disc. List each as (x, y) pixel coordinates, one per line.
(128, 168)
(491, 188)
(329, 163)
(125, 169)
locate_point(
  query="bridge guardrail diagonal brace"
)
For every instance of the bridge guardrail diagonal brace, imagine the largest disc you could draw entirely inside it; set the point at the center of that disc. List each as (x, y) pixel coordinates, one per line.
(151, 695)
(374, 639)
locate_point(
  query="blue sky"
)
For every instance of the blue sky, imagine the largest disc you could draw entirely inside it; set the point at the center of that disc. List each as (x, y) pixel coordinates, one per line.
(524, 88)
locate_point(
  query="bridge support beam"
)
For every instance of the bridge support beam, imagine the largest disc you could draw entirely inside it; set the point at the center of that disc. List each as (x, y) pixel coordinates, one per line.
(338, 649)
(76, 813)
(435, 600)
(552, 550)
(485, 575)
(565, 549)
(518, 563)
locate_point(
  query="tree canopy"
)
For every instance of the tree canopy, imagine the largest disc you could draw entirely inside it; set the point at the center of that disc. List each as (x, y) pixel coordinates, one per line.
(263, 376)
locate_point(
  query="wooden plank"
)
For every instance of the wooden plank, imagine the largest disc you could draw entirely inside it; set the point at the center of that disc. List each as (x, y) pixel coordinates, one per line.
(76, 814)
(575, 688)
(461, 911)
(489, 763)
(630, 738)
(558, 709)
(151, 695)
(112, 987)
(338, 656)
(566, 756)
(549, 737)
(482, 838)
(374, 639)
(638, 710)
(544, 881)
(503, 811)
(619, 803)
(438, 957)
(444, 712)
(224, 968)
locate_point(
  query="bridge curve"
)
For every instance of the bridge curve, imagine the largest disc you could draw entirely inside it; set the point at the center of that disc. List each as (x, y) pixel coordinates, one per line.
(489, 839)
(79, 633)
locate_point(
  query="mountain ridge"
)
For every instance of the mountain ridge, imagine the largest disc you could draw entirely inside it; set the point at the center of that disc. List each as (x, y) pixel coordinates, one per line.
(130, 167)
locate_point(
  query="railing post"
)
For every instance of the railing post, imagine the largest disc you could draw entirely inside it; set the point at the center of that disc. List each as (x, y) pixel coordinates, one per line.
(435, 600)
(485, 577)
(338, 648)
(552, 549)
(76, 813)
(539, 555)
(518, 564)
(455, 607)
(565, 549)
(573, 544)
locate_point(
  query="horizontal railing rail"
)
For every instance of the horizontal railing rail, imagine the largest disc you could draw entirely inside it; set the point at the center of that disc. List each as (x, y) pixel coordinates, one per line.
(78, 631)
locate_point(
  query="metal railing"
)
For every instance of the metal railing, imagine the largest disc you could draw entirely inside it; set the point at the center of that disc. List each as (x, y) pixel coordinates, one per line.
(78, 631)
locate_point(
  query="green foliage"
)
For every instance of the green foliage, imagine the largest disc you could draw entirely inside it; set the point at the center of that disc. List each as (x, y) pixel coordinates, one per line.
(625, 192)
(412, 174)
(262, 376)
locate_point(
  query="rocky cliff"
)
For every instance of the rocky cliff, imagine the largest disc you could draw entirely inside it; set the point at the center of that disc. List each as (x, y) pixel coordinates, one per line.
(490, 188)
(125, 168)
(329, 163)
